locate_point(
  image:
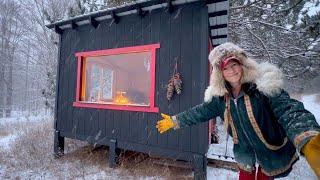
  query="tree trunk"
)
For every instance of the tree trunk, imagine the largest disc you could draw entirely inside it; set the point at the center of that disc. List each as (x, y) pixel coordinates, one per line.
(2, 92)
(9, 84)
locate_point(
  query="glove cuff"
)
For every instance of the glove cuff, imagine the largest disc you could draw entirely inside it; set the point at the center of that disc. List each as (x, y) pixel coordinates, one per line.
(311, 140)
(175, 122)
(302, 139)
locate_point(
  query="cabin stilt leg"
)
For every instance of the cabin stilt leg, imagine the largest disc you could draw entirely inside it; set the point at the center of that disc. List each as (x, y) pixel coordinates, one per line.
(199, 163)
(114, 153)
(58, 144)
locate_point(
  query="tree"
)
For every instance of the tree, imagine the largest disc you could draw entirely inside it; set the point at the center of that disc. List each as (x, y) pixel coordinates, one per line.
(280, 32)
(11, 32)
(43, 43)
(87, 6)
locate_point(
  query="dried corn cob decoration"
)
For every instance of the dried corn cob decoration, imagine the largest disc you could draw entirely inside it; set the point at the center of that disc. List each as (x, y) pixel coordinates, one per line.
(170, 89)
(177, 83)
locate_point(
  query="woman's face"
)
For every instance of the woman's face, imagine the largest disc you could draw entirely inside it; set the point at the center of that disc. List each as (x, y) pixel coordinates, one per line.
(232, 72)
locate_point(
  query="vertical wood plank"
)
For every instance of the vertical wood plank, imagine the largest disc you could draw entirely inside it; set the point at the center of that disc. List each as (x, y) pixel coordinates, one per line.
(64, 107)
(196, 47)
(104, 115)
(187, 72)
(121, 36)
(145, 118)
(164, 67)
(204, 68)
(155, 37)
(74, 41)
(174, 56)
(63, 45)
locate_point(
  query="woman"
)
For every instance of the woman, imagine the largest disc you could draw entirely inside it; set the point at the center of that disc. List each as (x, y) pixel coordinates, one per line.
(267, 126)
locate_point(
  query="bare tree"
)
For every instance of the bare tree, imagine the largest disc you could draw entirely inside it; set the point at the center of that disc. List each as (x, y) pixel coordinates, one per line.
(86, 6)
(43, 43)
(11, 33)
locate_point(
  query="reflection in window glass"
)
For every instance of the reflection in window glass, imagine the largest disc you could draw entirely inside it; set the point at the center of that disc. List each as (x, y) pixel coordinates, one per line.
(94, 88)
(122, 79)
(106, 83)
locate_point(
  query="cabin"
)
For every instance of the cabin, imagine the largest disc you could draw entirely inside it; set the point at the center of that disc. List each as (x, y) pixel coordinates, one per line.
(114, 66)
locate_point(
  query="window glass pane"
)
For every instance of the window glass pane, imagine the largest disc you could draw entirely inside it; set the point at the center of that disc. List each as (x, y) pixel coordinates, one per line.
(107, 79)
(94, 90)
(122, 79)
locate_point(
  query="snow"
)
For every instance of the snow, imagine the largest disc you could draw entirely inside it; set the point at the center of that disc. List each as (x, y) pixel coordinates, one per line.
(221, 151)
(301, 169)
(6, 141)
(309, 102)
(310, 8)
(1, 170)
(24, 117)
(218, 174)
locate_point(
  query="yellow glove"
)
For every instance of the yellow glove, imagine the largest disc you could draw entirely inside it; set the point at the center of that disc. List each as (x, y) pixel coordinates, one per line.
(165, 124)
(311, 151)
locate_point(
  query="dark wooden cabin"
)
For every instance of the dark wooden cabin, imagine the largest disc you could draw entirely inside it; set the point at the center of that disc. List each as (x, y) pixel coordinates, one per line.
(113, 69)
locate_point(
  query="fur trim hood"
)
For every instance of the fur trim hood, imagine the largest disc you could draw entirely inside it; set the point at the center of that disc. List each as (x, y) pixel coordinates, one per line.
(266, 76)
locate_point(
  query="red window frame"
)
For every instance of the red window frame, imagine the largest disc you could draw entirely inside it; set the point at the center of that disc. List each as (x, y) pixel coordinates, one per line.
(134, 49)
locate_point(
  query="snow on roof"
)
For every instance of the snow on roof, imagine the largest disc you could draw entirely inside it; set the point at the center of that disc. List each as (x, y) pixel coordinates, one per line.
(130, 8)
(217, 16)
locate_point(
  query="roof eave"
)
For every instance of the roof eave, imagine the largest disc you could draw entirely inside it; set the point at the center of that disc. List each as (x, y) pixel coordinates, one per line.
(119, 11)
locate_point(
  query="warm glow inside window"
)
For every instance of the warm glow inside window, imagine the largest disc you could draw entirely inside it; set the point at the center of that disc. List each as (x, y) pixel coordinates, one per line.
(118, 79)
(122, 79)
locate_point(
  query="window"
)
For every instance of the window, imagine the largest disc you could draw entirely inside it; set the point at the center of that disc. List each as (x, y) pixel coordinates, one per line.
(120, 79)
(98, 82)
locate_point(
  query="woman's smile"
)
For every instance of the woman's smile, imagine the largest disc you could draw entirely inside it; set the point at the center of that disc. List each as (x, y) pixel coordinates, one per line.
(232, 72)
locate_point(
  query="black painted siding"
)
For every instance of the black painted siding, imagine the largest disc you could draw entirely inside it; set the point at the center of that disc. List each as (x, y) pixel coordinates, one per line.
(183, 37)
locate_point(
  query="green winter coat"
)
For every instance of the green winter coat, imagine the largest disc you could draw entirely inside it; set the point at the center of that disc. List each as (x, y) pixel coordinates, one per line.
(267, 126)
(265, 129)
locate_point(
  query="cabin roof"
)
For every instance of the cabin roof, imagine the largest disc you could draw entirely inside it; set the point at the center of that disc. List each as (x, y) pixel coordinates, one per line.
(217, 16)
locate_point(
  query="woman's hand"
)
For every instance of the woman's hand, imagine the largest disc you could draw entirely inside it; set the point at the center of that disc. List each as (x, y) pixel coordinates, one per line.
(165, 124)
(311, 152)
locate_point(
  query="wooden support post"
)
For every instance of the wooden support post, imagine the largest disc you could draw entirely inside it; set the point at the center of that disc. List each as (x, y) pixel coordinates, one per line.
(199, 163)
(114, 153)
(58, 144)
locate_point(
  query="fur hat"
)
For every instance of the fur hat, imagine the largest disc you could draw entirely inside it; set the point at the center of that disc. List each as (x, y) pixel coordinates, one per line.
(267, 76)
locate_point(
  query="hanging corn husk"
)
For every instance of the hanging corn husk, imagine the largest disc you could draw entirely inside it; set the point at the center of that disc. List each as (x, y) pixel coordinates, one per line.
(170, 89)
(177, 83)
(174, 84)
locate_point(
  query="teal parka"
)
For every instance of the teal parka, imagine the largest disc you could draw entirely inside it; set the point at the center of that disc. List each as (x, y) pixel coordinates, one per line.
(282, 126)
(268, 127)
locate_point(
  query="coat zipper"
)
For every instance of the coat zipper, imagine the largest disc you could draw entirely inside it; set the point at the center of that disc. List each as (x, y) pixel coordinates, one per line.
(245, 133)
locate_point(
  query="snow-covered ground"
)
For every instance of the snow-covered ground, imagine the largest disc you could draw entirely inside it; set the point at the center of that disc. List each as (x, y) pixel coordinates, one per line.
(25, 157)
(311, 103)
